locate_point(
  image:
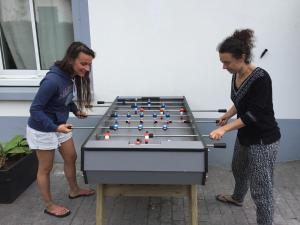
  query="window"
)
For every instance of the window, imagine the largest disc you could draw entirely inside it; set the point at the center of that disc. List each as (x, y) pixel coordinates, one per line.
(33, 35)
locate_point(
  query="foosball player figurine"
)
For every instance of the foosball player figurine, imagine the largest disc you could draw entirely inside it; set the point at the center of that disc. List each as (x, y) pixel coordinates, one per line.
(168, 118)
(146, 137)
(116, 121)
(114, 127)
(140, 127)
(181, 111)
(138, 141)
(149, 103)
(155, 118)
(106, 135)
(134, 106)
(161, 112)
(141, 118)
(128, 118)
(115, 115)
(165, 127)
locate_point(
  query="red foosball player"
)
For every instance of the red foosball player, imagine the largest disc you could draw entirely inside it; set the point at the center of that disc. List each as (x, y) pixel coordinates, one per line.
(106, 135)
(146, 137)
(138, 141)
(162, 112)
(181, 111)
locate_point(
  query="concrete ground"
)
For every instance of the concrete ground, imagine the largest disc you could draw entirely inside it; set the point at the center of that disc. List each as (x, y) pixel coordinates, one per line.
(28, 208)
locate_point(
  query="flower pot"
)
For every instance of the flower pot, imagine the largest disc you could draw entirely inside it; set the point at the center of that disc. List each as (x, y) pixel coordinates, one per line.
(15, 178)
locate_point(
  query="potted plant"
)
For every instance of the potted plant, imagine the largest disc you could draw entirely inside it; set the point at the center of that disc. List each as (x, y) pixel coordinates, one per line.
(18, 167)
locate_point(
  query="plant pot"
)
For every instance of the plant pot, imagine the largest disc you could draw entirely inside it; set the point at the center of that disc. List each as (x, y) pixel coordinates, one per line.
(2, 161)
(15, 178)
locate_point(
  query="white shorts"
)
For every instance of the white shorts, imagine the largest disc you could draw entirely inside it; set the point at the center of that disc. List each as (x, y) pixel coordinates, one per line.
(45, 140)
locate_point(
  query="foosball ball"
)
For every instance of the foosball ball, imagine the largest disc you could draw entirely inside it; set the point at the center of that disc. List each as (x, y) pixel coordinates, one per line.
(146, 146)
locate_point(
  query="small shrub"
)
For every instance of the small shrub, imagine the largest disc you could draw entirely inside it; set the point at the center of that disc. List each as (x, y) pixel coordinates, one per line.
(17, 145)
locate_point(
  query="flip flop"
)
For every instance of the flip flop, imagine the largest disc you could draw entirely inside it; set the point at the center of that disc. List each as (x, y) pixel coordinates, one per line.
(228, 199)
(57, 215)
(82, 195)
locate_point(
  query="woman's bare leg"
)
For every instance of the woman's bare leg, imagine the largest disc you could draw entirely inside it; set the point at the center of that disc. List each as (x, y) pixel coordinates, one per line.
(45, 158)
(68, 152)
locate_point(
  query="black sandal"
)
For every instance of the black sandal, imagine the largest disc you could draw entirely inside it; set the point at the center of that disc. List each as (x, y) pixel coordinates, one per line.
(228, 199)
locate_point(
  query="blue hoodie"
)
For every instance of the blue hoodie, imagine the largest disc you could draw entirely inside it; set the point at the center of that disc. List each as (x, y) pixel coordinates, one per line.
(53, 101)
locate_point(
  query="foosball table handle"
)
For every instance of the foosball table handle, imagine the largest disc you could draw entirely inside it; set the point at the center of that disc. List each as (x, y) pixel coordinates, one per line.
(99, 104)
(211, 110)
(207, 121)
(217, 145)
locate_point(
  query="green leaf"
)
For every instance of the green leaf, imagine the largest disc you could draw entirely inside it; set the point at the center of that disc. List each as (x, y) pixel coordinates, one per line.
(14, 142)
(18, 150)
(17, 145)
(23, 142)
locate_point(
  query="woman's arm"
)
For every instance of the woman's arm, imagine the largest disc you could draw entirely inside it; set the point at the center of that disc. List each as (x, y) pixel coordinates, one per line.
(219, 132)
(230, 113)
(47, 89)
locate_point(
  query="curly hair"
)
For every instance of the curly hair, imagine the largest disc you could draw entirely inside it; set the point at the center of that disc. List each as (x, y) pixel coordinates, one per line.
(238, 44)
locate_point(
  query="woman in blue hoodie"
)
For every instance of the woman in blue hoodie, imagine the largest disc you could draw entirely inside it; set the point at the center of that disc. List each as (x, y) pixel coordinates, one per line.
(48, 129)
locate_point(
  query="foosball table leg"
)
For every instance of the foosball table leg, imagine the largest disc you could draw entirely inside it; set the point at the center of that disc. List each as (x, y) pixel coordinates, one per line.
(193, 204)
(100, 204)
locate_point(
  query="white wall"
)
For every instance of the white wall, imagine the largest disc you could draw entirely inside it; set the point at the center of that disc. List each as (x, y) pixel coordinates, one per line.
(168, 47)
(14, 108)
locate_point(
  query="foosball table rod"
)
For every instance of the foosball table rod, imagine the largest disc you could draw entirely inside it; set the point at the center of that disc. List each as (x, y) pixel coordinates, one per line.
(138, 115)
(129, 102)
(152, 135)
(152, 106)
(127, 128)
(171, 121)
(215, 145)
(170, 110)
(162, 121)
(100, 104)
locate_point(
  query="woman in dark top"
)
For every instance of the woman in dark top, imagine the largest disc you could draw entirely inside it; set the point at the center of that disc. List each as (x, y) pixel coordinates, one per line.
(48, 129)
(258, 134)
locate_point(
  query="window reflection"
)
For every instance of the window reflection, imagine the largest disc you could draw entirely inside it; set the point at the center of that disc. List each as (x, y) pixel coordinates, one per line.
(16, 39)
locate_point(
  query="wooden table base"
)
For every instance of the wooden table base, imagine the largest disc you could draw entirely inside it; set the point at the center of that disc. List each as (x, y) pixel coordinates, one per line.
(146, 190)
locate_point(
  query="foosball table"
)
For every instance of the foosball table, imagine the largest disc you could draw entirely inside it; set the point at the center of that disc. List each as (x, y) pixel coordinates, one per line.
(146, 146)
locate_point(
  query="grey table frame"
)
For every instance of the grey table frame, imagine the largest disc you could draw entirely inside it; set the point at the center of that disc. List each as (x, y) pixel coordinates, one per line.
(119, 167)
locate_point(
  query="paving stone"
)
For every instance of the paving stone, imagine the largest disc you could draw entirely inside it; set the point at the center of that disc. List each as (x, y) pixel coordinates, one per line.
(28, 208)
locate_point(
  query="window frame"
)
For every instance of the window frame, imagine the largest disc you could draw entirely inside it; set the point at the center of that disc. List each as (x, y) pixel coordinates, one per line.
(14, 77)
(23, 84)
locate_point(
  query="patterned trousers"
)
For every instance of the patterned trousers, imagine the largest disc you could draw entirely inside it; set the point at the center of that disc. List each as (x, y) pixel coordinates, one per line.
(252, 166)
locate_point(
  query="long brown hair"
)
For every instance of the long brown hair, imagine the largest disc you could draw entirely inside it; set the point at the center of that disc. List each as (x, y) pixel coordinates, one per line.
(82, 83)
